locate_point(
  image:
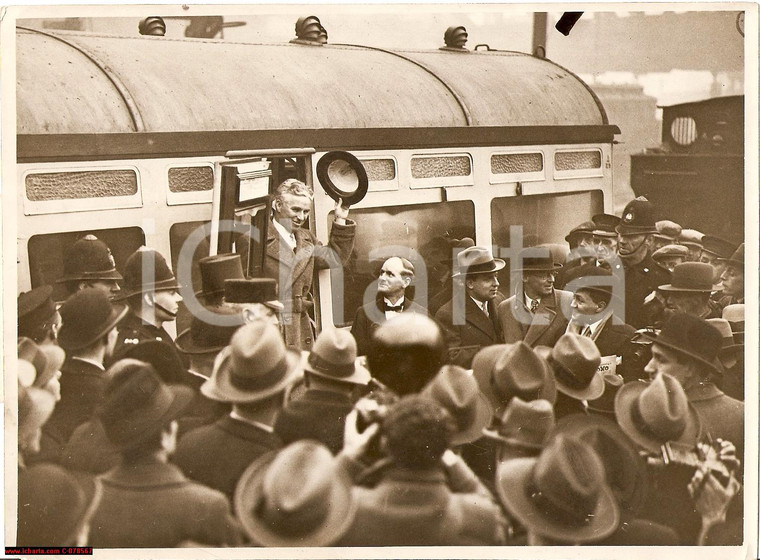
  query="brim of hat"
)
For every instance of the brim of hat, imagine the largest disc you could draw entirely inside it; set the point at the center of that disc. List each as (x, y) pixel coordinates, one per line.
(594, 390)
(85, 276)
(116, 316)
(361, 375)
(483, 418)
(603, 233)
(512, 482)
(55, 358)
(498, 265)
(554, 266)
(184, 343)
(624, 401)
(129, 291)
(182, 397)
(637, 230)
(734, 262)
(511, 443)
(715, 365)
(672, 288)
(220, 388)
(248, 493)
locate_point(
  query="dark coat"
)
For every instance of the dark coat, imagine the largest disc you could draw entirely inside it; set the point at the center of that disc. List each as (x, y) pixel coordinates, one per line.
(152, 505)
(89, 450)
(722, 416)
(132, 331)
(317, 415)
(615, 340)
(633, 531)
(547, 324)
(410, 508)
(478, 331)
(216, 455)
(364, 328)
(640, 281)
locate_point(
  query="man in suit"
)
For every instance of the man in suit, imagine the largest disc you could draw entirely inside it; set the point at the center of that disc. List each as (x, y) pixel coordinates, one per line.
(537, 313)
(732, 278)
(468, 320)
(252, 374)
(396, 276)
(293, 254)
(147, 502)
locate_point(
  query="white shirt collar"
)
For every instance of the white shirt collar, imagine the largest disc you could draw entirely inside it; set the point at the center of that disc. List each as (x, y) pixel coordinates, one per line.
(480, 304)
(288, 236)
(529, 300)
(89, 361)
(235, 416)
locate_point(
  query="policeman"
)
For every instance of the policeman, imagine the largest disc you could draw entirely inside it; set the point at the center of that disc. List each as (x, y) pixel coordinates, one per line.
(153, 300)
(642, 274)
(90, 264)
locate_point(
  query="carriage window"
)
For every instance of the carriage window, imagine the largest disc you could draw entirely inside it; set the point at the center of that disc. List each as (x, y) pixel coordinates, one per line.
(517, 167)
(81, 184)
(178, 236)
(425, 228)
(544, 219)
(191, 179)
(46, 253)
(441, 171)
(381, 173)
(577, 163)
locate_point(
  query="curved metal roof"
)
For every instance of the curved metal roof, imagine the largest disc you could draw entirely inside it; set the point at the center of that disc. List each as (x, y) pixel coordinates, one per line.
(88, 83)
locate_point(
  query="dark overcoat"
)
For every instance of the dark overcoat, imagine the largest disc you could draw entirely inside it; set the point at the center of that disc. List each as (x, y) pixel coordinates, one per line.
(477, 332)
(364, 327)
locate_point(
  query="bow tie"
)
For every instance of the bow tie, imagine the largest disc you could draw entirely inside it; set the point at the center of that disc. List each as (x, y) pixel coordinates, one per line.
(396, 308)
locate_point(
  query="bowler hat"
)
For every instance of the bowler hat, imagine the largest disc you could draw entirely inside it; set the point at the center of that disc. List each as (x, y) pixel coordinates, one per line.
(209, 338)
(638, 218)
(583, 228)
(47, 359)
(532, 263)
(562, 494)
(504, 371)
(690, 238)
(295, 497)
(86, 316)
(667, 230)
(605, 224)
(215, 269)
(34, 308)
(691, 277)
(625, 470)
(717, 246)
(255, 366)
(524, 425)
(670, 250)
(252, 290)
(692, 337)
(137, 404)
(89, 259)
(477, 260)
(333, 356)
(657, 412)
(164, 359)
(575, 360)
(456, 390)
(605, 404)
(736, 258)
(53, 503)
(159, 275)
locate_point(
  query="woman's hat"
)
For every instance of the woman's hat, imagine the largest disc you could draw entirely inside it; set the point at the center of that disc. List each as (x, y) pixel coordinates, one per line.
(457, 391)
(333, 357)
(47, 359)
(86, 316)
(562, 494)
(503, 371)
(295, 497)
(255, 366)
(477, 260)
(657, 412)
(160, 277)
(690, 336)
(575, 360)
(638, 218)
(524, 425)
(691, 277)
(137, 404)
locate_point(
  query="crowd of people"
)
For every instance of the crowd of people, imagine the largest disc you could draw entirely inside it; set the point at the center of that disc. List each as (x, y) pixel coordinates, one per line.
(600, 402)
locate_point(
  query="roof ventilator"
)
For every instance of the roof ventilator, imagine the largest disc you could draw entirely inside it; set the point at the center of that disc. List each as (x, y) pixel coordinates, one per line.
(153, 25)
(455, 39)
(309, 31)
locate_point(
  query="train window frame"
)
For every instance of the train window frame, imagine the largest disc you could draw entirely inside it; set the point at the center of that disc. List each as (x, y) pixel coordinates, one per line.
(437, 182)
(578, 173)
(61, 205)
(382, 186)
(500, 178)
(188, 197)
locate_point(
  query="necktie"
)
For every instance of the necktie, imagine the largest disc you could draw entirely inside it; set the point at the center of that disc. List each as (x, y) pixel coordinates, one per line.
(586, 331)
(485, 309)
(396, 308)
(534, 305)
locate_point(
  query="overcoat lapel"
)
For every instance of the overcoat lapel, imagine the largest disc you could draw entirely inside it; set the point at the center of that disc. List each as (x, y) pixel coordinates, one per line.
(475, 316)
(542, 319)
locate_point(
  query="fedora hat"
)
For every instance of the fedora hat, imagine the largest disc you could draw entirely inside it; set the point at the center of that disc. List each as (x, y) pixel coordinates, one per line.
(718, 247)
(734, 314)
(584, 228)
(35, 307)
(562, 494)
(690, 336)
(575, 360)
(605, 404)
(252, 290)
(137, 404)
(690, 238)
(215, 269)
(160, 275)
(736, 258)
(729, 347)
(47, 359)
(477, 260)
(255, 366)
(599, 279)
(605, 224)
(162, 357)
(86, 316)
(333, 357)
(34, 409)
(295, 497)
(456, 246)
(504, 371)
(691, 277)
(532, 263)
(667, 229)
(89, 259)
(210, 338)
(670, 250)
(638, 218)
(456, 390)
(625, 470)
(657, 412)
(524, 425)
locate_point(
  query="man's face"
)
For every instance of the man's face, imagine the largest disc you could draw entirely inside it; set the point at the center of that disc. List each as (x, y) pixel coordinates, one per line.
(581, 239)
(606, 247)
(634, 247)
(254, 311)
(670, 262)
(292, 210)
(584, 307)
(538, 284)
(393, 279)
(108, 287)
(166, 304)
(483, 287)
(733, 281)
(712, 260)
(665, 360)
(687, 302)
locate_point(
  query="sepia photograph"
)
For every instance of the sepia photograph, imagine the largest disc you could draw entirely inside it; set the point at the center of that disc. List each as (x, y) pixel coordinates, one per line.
(380, 280)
